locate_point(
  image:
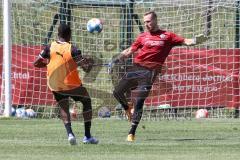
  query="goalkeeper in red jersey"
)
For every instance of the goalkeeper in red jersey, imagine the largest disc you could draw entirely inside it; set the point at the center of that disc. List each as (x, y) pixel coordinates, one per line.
(64, 82)
(151, 48)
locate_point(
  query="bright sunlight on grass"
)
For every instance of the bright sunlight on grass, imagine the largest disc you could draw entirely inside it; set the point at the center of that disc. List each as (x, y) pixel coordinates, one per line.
(165, 140)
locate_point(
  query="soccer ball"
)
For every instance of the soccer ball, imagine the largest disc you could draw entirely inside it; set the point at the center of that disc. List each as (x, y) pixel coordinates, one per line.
(104, 112)
(21, 113)
(201, 113)
(94, 25)
(30, 113)
(13, 111)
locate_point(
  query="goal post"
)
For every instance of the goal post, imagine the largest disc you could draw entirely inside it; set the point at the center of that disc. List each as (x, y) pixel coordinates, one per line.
(201, 76)
(237, 45)
(7, 54)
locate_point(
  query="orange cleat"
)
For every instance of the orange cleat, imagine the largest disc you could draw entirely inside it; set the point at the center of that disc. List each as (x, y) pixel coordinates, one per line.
(131, 138)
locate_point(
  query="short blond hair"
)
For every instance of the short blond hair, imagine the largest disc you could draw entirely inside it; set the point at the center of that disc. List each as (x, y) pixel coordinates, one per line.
(153, 13)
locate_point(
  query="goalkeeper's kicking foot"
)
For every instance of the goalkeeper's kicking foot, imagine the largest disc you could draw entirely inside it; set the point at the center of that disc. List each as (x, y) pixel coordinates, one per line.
(131, 138)
(90, 140)
(129, 111)
(71, 139)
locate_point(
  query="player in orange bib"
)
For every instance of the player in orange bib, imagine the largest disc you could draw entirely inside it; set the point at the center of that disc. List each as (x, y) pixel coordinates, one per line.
(64, 82)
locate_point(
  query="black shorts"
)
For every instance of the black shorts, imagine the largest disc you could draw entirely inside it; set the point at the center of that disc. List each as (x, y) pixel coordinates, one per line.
(140, 75)
(77, 94)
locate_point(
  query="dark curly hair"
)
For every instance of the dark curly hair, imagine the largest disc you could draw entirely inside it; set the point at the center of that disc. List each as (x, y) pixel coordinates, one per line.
(64, 31)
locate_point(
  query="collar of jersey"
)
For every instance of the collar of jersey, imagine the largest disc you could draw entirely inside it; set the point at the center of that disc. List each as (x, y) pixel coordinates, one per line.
(58, 41)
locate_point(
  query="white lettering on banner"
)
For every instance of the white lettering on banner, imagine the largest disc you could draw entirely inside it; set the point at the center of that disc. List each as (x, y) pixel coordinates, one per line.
(197, 78)
(192, 88)
(18, 75)
(199, 87)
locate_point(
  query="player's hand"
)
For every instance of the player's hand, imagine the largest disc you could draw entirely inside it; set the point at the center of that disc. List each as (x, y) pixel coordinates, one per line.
(200, 38)
(117, 59)
(39, 63)
(86, 64)
(112, 64)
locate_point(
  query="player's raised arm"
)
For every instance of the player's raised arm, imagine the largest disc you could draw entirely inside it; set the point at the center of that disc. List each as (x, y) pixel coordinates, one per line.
(195, 40)
(85, 62)
(39, 62)
(43, 57)
(124, 54)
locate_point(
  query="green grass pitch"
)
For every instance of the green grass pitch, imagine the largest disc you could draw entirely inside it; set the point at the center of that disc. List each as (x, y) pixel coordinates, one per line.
(210, 139)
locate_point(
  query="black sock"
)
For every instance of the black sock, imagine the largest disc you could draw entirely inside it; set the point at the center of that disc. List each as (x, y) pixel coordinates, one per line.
(87, 126)
(68, 127)
(133, 129)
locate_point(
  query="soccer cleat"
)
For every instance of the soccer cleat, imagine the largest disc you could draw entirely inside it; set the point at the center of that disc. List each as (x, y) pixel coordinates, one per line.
(129, 111)
(131, 138)
(71, 139)
(90, 140)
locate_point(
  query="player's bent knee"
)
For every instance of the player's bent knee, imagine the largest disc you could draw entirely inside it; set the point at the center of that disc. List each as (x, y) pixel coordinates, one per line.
(87, 104)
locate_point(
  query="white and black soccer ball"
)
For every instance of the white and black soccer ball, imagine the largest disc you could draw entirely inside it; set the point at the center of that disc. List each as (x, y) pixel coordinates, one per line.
(13, 111)
(201, 113)
(104, 112)
(30, 113)
(21, 113)
(94, 25)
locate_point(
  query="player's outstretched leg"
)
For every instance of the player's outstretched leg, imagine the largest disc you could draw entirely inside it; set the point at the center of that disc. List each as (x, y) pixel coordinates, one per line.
(143, 92)
(119, 94)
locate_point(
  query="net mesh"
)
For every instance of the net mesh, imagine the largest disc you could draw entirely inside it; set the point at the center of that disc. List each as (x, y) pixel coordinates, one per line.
(203, 76)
